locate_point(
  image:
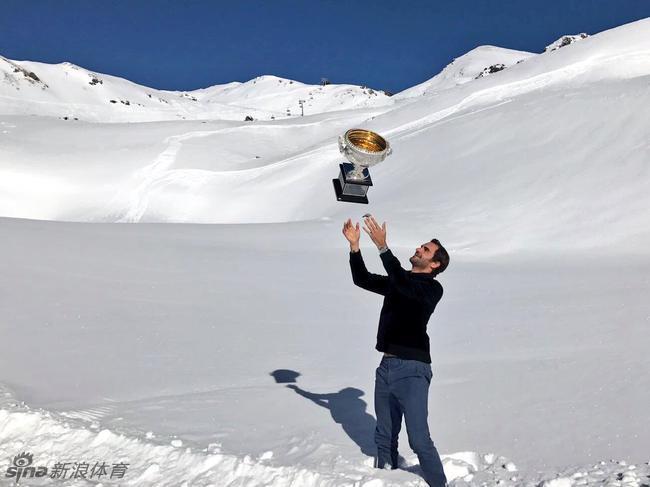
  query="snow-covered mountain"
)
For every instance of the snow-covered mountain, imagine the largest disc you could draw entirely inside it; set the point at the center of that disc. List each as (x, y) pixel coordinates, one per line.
(74, 93)
(565, 41)
(470, 66)
(505, 143)
(161, 341)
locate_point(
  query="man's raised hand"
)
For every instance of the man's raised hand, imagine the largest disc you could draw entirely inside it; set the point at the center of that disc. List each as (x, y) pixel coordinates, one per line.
(352, 234)
(377, 234)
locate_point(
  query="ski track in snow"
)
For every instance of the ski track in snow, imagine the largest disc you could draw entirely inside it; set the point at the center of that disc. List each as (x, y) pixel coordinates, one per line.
(147, 178)
(448, 117)
(160, 172)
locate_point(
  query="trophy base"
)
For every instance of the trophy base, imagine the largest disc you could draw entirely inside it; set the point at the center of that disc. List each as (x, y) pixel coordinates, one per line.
(347, 197)
(350, 188)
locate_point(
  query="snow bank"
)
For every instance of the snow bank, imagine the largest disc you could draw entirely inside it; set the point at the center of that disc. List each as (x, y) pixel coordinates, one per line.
(50, 440)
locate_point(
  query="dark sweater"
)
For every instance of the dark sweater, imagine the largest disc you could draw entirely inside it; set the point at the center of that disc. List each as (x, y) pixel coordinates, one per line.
(409, 301)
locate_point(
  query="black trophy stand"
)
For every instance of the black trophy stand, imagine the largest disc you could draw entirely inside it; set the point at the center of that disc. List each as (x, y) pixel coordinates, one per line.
(351, 190)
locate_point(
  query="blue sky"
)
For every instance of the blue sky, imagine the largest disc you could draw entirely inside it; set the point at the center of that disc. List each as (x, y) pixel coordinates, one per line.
(390, 45)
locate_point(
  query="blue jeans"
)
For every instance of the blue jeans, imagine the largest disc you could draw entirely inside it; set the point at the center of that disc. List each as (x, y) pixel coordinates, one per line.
(402, 389)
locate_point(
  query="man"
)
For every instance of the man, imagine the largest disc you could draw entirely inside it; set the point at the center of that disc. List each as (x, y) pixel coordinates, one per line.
(403, 377)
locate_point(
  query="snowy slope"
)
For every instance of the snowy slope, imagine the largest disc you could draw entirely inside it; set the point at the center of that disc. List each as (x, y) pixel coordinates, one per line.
(164, 332)
(160, 340)
(66, 90)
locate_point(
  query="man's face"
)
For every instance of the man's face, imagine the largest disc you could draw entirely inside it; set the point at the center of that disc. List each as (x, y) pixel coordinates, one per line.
(423, 255)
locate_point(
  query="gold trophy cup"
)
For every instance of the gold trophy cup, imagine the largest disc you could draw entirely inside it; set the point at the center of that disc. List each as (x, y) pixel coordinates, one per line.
(363, 149)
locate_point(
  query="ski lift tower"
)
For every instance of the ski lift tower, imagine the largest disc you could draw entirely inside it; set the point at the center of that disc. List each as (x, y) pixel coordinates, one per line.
(302, 107)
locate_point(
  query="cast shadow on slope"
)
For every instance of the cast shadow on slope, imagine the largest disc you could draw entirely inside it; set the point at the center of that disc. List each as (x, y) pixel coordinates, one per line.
(347, 409)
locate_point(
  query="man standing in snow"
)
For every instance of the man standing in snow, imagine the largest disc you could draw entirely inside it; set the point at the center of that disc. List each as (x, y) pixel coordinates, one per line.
(403, 377)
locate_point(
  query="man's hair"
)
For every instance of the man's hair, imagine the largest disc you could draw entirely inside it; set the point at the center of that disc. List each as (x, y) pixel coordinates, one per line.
(440, 255)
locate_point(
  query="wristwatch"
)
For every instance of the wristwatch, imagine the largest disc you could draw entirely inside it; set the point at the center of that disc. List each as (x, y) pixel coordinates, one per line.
(383, 249)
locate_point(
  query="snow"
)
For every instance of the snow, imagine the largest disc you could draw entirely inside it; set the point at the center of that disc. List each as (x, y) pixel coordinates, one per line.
(66, 90)
(565, 41)
(465, 69)
(159, 344)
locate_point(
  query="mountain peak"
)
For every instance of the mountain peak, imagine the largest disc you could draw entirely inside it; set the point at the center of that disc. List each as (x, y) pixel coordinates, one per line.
(476, 63)
(565, 41)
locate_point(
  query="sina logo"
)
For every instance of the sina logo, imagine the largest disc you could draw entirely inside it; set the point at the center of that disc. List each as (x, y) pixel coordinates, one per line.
(22, 467)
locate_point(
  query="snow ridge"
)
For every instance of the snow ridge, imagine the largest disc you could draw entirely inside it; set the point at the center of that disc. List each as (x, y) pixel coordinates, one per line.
(52, 438)
(70, 92)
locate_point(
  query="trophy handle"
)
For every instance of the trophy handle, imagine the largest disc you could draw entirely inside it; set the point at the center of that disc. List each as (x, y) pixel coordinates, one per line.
(342, 146)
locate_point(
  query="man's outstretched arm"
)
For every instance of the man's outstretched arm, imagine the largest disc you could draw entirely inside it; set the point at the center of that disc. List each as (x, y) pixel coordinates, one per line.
(364, 279)
(360, 275)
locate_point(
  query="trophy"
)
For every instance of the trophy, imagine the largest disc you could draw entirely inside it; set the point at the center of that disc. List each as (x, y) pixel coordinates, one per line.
(362, 148)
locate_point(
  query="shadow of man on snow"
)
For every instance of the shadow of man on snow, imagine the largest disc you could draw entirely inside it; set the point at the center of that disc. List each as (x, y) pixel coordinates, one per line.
(346, 408)
(349, 410)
